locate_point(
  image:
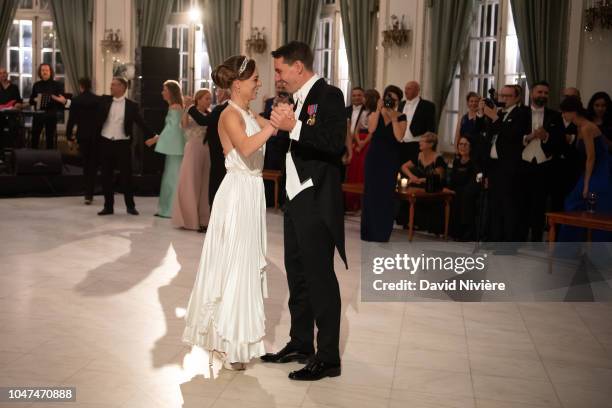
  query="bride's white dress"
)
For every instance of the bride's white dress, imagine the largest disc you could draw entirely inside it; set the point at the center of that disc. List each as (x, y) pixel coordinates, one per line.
(226, 311)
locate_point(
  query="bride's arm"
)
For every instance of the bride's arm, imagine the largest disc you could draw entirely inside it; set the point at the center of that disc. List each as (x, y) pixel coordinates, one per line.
(261, 121)
(231, 125)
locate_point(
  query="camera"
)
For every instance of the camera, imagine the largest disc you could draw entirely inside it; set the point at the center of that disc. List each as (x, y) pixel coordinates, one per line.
(389, 102)
(492, 101)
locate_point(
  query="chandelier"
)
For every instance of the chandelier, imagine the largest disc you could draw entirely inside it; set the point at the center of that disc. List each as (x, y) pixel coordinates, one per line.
(598, 13)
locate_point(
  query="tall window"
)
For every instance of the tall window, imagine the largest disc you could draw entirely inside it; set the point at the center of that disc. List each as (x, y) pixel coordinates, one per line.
(32, 41)
(324, 49)
(331, 61)
(186, 33)
(492, 59)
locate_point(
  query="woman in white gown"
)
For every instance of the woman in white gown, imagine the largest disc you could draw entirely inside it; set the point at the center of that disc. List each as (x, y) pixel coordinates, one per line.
(226, 312)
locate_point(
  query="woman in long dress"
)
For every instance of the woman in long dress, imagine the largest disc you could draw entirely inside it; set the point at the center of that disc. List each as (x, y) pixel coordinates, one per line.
(225, 314)
(171, 143)
(595, 180)
(191, 209)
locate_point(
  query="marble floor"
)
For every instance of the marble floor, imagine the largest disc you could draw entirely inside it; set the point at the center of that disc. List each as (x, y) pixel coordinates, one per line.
(97, 303)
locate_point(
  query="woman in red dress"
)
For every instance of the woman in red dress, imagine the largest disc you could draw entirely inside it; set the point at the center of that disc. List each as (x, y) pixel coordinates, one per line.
(360, 143)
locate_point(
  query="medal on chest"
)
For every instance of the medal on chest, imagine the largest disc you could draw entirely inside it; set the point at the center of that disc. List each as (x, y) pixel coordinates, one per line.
(312, 115)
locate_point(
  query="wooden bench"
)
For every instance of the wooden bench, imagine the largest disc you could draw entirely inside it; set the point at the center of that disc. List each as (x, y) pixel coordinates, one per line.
(412, 195)
(274, 176)
(584, 219)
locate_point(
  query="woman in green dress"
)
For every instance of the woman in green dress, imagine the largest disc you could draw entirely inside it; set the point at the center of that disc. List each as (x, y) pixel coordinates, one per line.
(171, 143)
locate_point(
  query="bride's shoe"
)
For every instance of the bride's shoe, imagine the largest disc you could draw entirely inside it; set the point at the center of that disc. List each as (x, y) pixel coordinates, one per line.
(226, 364)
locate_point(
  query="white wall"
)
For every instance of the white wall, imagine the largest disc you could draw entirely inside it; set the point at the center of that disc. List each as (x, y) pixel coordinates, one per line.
(399, 65)
(111, 14)
(589, 61)
(261, 13)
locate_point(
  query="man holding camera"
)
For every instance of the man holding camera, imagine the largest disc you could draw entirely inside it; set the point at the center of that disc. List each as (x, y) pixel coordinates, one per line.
(505, 130)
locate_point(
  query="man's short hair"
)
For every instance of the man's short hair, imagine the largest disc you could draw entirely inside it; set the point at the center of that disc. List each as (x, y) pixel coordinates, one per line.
(85, 83)
(122, 80)
(358, 88)
(541, 83)
(517, 88)
(295, 51)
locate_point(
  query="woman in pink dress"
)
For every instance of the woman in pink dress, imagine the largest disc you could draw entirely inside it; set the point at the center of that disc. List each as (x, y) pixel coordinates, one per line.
(191, 209)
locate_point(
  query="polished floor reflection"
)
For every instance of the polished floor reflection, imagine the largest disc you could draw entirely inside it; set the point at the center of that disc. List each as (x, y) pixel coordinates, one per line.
(97, 303)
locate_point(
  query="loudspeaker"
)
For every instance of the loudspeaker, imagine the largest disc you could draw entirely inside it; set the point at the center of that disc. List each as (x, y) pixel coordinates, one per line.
(31, 161)
(150, 161)
(157, 62)
(154, 65)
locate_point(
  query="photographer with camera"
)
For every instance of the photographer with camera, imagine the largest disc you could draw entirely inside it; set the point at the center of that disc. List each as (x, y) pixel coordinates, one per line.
(382, 163)
(505, 130)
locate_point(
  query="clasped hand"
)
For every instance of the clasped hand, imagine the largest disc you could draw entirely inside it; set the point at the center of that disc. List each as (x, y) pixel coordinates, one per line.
(282, 117)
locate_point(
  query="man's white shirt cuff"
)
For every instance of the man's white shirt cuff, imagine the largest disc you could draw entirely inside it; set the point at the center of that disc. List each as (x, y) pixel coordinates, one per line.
(295, 133)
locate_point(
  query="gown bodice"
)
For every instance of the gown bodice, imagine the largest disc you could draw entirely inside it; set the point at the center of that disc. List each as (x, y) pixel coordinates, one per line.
(234, 161)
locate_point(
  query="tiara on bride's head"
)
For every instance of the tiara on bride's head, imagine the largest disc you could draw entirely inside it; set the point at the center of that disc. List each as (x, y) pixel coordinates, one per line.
(243, 66)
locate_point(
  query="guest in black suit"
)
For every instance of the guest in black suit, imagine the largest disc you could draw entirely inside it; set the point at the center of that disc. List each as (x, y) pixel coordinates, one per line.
(117, 115)
(10, 124)
(353, 115)
(217, 158)
(420, 117)
(546, 130)
(47, 95)
(382, 163)
(314, 213)
(277, 146)
(9, 92)
(505, 130)
(84, 114)
(279, 88)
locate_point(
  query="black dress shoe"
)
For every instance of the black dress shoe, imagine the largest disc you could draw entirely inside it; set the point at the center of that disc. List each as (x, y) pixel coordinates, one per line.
(106, 211)
(287, 355)
(88, 200)
(132, 211)
(315, 370)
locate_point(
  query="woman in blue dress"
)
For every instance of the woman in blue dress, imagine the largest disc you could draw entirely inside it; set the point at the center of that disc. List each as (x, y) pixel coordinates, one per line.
(171, 143)
(382, 164)
(596, 177)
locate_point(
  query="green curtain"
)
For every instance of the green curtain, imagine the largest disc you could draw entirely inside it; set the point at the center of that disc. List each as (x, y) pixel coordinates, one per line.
(153, 16)
(360, 26)
(541, 28)
(300, 19)
(221, 20)
(73, 24)
(8, 8)
(450, 28)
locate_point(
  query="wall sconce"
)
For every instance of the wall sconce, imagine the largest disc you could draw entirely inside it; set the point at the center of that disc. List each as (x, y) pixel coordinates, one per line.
(397, 35)
(112, 42)
(599, 12)
(257, 41)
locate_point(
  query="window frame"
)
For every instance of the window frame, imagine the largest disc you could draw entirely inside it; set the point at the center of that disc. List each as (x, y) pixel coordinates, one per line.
(451, 116)
(182, 19)
(330, 13)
